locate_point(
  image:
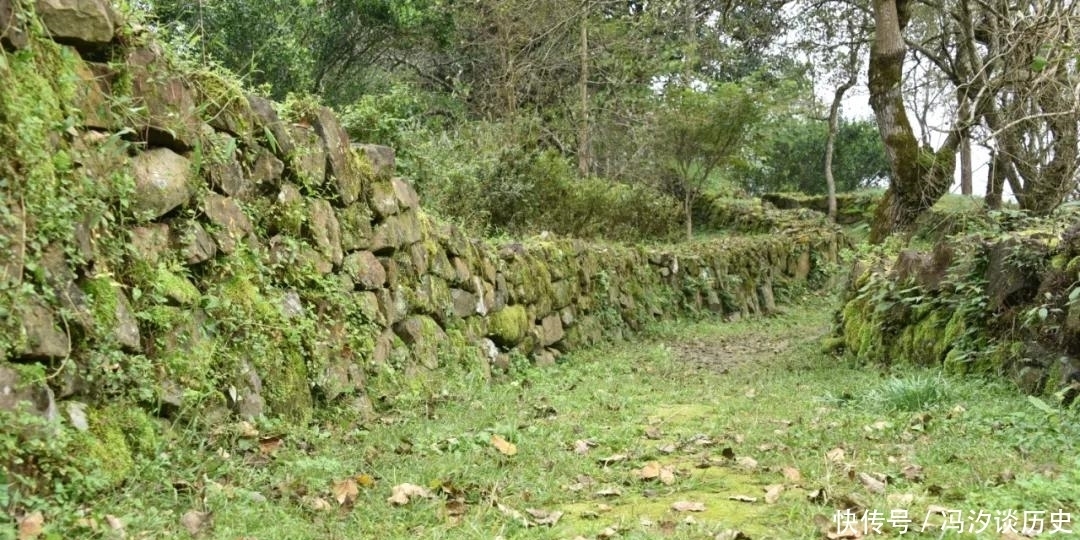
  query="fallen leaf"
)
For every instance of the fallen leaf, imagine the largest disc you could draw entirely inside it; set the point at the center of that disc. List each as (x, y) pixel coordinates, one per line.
(608, 532)
(513, 514)
(900, 500)
(116, 525)
(403, 493)
(652, 433)
(667, 449)
(247, 429)
(650, 471)
(912, 473)
(345, 491)
(819, 496)
(604, 507)
(742, 498)
(455, 508)
(687, 506)
(792, 474)
(269, 445)
(194, 521)
(612, 459)
(747, 462)
(750, 393)
(504, 446)
(609, 492)
(836, 455)
(873, 485)
(772, 493)
(544, 517)
(318, 504)
(31, 526)
(667, 476)
(582, 446)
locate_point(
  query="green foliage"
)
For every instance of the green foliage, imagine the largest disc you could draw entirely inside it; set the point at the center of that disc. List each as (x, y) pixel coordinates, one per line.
(790, 156)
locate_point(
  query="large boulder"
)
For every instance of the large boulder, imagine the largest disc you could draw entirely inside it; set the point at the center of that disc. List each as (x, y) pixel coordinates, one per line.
(87, 24)
(44, 338)
(509, 325)
(162, 182)
(423, 336)
(365, 270)
(380, 158)
(324, 230)
(277, 133)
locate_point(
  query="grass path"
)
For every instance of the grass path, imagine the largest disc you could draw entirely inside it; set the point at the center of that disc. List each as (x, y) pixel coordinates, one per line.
(705, 430)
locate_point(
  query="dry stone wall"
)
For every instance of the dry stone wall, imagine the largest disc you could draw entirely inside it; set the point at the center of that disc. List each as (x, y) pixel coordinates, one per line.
(171, 244)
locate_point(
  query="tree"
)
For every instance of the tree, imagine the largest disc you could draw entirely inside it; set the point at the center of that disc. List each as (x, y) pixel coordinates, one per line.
(920, 174)
(700, 132)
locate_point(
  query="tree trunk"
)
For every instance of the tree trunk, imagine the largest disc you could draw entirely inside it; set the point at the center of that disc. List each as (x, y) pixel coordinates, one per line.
(995, 181)
(965, 147)
(583, 128)
(920, 176)
(688, 208)
(834, 126)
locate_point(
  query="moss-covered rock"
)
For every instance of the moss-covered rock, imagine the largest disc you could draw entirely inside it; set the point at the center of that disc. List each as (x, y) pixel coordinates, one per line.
(509, 325)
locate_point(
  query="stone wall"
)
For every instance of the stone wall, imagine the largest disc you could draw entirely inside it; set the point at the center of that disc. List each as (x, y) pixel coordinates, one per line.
(173, 245)
(1003, 303)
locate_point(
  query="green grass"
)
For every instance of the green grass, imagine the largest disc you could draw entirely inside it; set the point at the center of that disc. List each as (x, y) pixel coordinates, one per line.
(754, 389)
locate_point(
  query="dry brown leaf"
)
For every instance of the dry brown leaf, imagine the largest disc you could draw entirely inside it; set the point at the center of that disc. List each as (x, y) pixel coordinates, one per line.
(792, 474)
(513, 514)
(772, 493)
(742, 498)
(345, 491)
(612, 459)
(873, 485)
(544, 517)
(608, 532)
(582, 446)
(912, 473)
(31, 526)
(403, 493)
(688, 506)
(456, 508)
(652, 433)
(747, 462)
(667, 449)
(650, 471)
(667, 476)
(269, 445)
(247, 429)
(116, 525)
(318, 504)
(504, 446)
(194, 521)
(836, 455)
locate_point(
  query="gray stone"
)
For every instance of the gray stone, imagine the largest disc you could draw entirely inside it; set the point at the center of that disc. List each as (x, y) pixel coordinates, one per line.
(346, 177)
(162, 182)
(308, 157)
(405, 194)
(365, 270)
(83, 23)
(13, 34)
(355, 224)
(462, 275)
(381, 158)
(325, 231)
(543, 357)
(194, 243)
(229, 218)
(164, 105)
(17, 393)
(291, 305)
(44, 338)
(267, 169)
(90, 99)
(465, 303)
(383, 200)
(424, 337)
(277, 133)
(126, 331)
(76, 413)
(396, 232)
(222, 165)
(551, 330)
(150, 243)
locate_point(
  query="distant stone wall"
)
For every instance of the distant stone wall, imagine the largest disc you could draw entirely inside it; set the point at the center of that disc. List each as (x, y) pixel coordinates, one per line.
(172, 244)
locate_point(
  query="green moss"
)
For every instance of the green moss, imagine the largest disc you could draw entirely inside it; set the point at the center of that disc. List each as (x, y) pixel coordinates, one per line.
(509, 325)
(104, 300)
(176, 287)
(105, 445)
